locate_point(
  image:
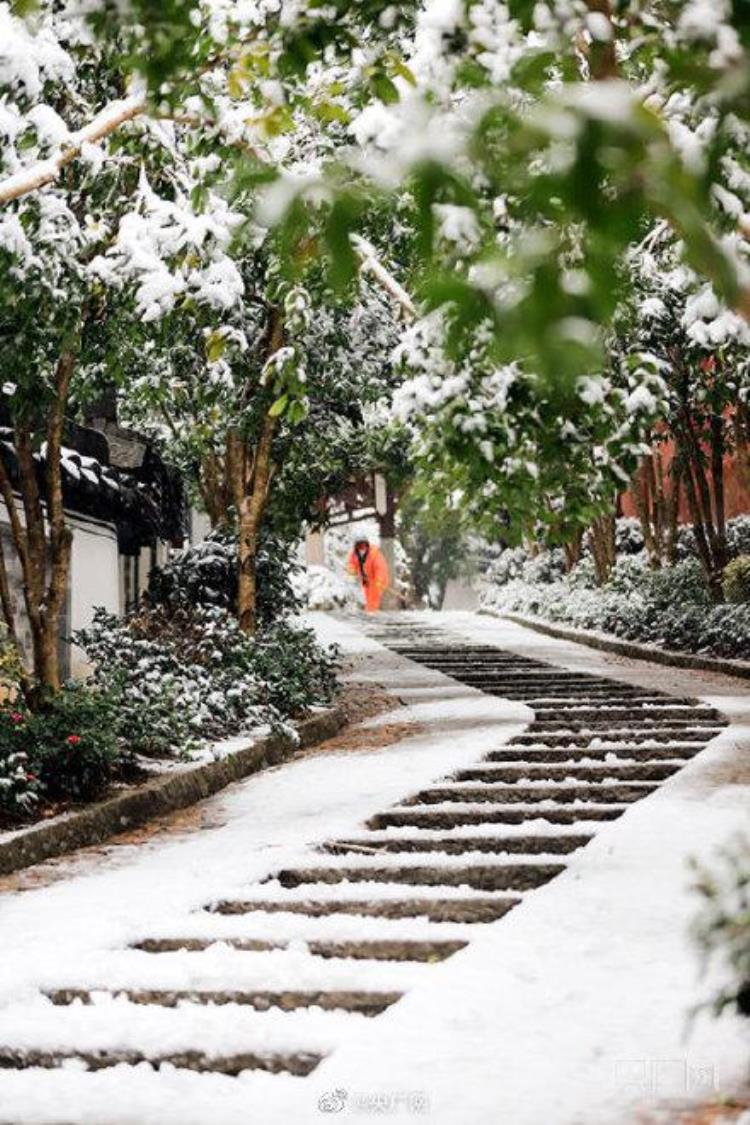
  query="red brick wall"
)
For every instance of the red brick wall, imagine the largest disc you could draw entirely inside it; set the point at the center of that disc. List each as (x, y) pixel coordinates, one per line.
(736, 494)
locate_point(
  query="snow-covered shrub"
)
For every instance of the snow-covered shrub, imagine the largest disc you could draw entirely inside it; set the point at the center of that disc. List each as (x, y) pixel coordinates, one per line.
(295, 672)
(401, 580)
(514, 563)
(721, 928)
(738, 539)
(668, 607)
(583, 574)
(67, 748)
(191, 675)
(627, 574)
(203, 574)
(738, 535)
(737, 580)
(628, 536)
(674, 586)
(725, 631)
(681, 627)
(321, 588)
(72, 742)
(19, 785)
(206, 574)
(546, 566)
(178, 678)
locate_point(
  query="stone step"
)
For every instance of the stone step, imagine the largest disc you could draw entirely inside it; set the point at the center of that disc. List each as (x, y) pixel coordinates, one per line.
(297, 1063)
(457, 845)
(550, 696)
(624, 714)
(645, 723)
(484, 877)
(526, 794)
(554, 683)
(449, 818)
(440, 649)
(365, 1003)
(468, 910)
(553, 679)
(625, 735)
(462, 664)
(380, 950)
(571, 754)
(511, 671)
(561, 703)
(646, 771)
(610, 713)
(196, 945)
(527, 672)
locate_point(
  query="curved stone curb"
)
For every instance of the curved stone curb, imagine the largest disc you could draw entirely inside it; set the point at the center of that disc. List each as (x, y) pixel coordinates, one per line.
(127, 810)
(607, 643)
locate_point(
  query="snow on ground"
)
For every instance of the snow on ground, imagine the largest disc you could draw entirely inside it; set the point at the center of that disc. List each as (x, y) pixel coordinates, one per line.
(112, 1023)
(270, 820)
(569, 1011)
(574, 1007)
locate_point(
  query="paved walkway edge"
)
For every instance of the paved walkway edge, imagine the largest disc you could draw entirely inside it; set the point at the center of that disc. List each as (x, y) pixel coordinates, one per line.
(127, 810)
(607, 643)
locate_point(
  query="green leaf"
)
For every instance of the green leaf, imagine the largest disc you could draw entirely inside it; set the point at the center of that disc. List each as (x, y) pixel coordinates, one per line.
(297, 412)
(215, 346)
(331, 112)
(384, 88)
(399, 67)
(278, 407)
(339, 224)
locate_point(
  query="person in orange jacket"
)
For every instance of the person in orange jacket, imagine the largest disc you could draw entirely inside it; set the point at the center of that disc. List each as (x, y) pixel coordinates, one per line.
(368, 565)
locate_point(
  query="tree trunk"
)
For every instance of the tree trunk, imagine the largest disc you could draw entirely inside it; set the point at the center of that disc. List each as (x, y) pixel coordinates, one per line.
(43, 544)
(250, 475)
(656, 497)
(741, 426)
(642, 499)
(601, 53)
(215, 489)
(572, 551)
(251, 511)
(718, 447)
(706, 511)
(602, 541)
(60, 535)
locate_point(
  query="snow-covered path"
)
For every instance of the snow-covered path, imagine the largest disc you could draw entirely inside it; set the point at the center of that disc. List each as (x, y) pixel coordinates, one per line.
(570, 1007)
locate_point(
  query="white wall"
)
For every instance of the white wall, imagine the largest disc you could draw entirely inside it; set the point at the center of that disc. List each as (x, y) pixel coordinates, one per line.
(200, 527)
(94, 575)
(94, 578)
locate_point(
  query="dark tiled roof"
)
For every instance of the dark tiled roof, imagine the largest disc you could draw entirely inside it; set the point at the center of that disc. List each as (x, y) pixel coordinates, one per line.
(145, 503)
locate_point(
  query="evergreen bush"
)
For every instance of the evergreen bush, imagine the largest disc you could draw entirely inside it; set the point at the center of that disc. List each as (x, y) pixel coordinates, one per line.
(206, 574)
(721, 928)
(67, 749)
(737, 580)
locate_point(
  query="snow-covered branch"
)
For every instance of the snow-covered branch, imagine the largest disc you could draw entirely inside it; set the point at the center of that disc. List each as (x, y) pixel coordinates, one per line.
(44, 172)
(371, 264)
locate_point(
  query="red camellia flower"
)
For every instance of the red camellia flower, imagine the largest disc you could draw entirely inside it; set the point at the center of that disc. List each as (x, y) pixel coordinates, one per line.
(73, 739)
(31, 777)
(16, 717)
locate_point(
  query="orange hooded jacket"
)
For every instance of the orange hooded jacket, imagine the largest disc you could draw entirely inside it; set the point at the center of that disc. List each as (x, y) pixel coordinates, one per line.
(372, 575)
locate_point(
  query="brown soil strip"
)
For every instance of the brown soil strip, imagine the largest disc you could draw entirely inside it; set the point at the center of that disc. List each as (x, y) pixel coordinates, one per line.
(359, 703)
